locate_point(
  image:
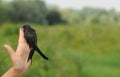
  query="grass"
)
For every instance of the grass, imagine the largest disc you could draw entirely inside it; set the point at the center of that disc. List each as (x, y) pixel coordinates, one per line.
(104, 65)
(74, 50)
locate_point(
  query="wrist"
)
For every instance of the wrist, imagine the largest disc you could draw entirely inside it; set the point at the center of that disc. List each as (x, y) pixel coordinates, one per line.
(17, 72)
(13, 73)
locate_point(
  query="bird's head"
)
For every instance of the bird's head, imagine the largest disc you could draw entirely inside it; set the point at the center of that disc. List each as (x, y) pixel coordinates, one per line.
(26, 26)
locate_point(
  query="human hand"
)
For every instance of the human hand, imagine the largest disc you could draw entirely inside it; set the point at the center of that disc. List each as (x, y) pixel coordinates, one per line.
(19, 58)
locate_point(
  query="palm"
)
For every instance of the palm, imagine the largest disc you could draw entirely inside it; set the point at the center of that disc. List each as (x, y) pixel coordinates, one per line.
(18, 62)
(19, 58)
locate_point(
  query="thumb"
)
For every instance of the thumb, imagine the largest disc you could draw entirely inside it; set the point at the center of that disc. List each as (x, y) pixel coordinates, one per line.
(9, 50)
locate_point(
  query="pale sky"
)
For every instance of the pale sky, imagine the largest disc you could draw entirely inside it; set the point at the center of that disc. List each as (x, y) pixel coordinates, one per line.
(78, 4)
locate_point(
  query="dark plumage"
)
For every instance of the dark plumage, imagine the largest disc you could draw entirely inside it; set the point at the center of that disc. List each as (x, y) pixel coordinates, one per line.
(31, 38)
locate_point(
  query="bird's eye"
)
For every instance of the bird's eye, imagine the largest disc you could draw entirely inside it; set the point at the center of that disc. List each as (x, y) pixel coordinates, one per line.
(23, 26)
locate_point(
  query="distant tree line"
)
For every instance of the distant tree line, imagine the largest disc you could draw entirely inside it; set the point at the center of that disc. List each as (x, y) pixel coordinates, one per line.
(91, 15)
(36, 11)
(99, 16)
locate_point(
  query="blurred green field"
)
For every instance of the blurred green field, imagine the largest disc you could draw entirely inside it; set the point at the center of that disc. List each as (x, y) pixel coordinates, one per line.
(76, 50)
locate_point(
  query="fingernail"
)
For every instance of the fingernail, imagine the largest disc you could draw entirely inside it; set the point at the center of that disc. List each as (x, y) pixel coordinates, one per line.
(5, 45)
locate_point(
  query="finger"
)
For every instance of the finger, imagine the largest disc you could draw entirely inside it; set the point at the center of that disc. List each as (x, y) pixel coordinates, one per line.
(21, 35)
(27, 64)
(9, 50)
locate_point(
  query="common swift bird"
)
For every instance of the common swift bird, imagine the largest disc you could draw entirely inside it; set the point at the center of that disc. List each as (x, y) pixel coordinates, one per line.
(31, 38)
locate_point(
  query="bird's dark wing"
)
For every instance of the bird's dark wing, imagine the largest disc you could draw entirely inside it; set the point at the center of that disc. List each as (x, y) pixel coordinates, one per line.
(31, 37)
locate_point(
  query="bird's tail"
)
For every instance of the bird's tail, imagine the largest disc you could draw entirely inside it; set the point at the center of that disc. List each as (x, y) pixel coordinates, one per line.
(40, 52)
(30, 54)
